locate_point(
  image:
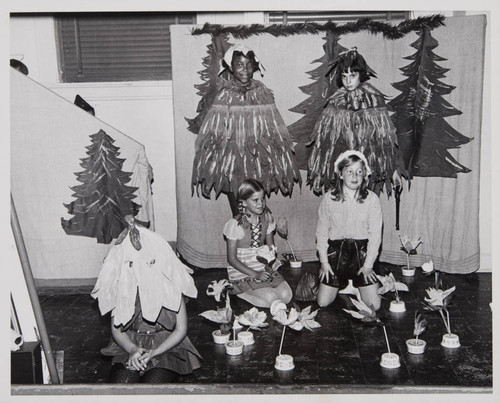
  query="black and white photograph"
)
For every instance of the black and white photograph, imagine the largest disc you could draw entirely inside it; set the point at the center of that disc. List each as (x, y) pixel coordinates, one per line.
(252, 201)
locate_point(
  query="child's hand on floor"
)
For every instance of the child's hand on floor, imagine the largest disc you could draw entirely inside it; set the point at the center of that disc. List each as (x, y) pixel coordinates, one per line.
(325, 272)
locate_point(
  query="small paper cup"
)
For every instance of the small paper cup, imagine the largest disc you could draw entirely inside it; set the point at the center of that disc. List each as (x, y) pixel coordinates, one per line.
(450, 340)
(295, 264)
(220, 338)
(415, 346)
(390, 360)
(284, 362)
(246, 338)
(408, 272)
(397, 306)
(234, 347)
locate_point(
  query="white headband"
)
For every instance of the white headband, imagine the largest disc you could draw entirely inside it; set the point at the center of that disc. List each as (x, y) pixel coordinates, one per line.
(228, 56)
(348, 153)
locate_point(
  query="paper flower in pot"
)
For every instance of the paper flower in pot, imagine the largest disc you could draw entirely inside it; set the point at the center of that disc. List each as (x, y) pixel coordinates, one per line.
(253, 318)
(282, 230)
(419, 324)
(223, 315)
(409, 246)
(438, 300)
(389, 284)
(367, 314)
(294, 319)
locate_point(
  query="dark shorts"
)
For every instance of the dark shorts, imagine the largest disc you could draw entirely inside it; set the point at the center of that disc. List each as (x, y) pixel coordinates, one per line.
(346, 257)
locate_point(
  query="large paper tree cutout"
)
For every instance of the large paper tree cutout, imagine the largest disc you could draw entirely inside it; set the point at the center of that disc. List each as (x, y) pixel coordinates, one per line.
(211, 79)
(424, 136)
(103, 199)
(319, 91)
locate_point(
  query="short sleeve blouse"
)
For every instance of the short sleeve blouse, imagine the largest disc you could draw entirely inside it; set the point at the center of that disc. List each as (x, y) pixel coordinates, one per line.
(232, 229)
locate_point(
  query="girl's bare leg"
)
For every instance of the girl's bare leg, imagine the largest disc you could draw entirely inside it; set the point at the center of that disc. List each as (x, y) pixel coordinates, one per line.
(326, 295)
(370, 296)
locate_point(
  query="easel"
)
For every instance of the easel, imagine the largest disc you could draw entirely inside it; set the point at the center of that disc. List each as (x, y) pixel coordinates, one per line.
(30, 283)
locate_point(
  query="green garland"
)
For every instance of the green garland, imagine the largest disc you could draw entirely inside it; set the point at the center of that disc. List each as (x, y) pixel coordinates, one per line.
(365, 24)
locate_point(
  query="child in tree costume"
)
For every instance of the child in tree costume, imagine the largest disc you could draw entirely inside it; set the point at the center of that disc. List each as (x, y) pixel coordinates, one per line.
(355, 118)
(143, 284)
(243, 135)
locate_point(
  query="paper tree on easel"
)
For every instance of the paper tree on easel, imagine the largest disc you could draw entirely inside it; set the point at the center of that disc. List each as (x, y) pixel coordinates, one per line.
(103, 199)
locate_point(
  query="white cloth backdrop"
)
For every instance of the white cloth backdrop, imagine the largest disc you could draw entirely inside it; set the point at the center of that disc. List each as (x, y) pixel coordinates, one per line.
(444, 212)
(48, 139)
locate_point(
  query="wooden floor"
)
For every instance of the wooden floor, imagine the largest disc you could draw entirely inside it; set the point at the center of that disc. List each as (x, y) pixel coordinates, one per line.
(340, 357)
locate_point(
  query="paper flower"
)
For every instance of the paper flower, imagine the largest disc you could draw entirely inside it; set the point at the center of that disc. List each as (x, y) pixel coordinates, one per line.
(409, 247)
(223, 316)
(438, 298)
(282, 230)
(365, 313)
(216, 288)
(438, 301)
(253, 318)
(306, 320)
(285, 319)
(420, 324)
(268, 254)
(428, 267)
(276, 306)
(389, 284)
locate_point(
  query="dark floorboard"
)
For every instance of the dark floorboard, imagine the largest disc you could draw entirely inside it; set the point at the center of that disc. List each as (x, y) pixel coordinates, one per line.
(343, 351)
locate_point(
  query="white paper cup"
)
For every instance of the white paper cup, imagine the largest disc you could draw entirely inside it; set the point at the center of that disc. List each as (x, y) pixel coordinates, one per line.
(295, 264)
(415, 346)
(450, 340)
(284, 362)
(234, 347)
(408, 272)
(397, 306)
(390, 360)
(246, 338)
(220, 338)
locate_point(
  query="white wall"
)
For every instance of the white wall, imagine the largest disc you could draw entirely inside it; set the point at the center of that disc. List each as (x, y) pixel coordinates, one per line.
(144, 111)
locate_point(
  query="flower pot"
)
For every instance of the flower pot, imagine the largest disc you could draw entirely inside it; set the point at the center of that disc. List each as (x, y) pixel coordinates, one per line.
(397, 306)
(450, 340)
(415, 346)
(408, 271)
(284, 362)
(220, 338)
(234, 347)
(295, 264)
(246, 338)
(390, 360)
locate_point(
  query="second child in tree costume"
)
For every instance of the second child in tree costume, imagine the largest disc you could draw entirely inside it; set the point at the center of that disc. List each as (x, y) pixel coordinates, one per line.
(243, 135)
(355, 118)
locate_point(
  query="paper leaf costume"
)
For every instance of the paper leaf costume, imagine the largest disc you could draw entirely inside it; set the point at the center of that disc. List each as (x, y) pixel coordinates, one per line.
(243, 136)
(154, 273)
(103, 198)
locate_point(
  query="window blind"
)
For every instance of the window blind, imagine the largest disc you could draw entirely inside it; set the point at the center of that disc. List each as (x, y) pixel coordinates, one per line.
(124, 47)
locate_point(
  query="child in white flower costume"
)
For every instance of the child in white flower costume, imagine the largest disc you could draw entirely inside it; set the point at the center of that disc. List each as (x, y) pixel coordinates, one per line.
(143, 284)
(349, 232)
(250, 243)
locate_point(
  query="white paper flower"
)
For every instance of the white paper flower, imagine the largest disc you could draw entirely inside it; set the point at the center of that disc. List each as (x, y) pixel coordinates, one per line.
(428, 267)
(306, 320)
(253, 318)
(267, 253)
(276, 306)
(286, 320)
(216, 288)
(389, 284)
(409, 245)
(365, 312)
(222, 315)
(437, 297)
